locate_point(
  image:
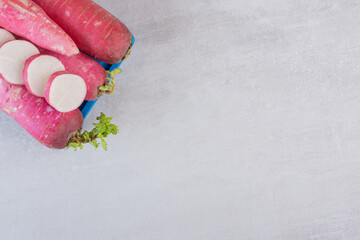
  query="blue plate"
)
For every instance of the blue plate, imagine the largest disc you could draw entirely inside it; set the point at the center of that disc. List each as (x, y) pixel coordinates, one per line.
(86, 107)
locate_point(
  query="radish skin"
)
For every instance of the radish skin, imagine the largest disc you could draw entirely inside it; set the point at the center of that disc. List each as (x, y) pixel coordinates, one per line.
(50, 127)
(65, 91)
(86, 67)
(13, 55)
(94, 30)
(26, 19)
(5, 36)
(37, 72)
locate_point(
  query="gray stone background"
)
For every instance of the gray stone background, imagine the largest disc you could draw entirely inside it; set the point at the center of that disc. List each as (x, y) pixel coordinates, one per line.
(238, 120)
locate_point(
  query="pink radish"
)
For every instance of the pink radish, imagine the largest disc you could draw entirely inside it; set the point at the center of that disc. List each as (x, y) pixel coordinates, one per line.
(28, 20)
(13, 55)
(94, 30)
(5, 36)
(86, 67)
(37, 72)
(65, 91)
(50, 127)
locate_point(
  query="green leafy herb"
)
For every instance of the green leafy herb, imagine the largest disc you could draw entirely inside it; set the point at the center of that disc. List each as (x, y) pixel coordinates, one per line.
(109, 86)
(101, 130)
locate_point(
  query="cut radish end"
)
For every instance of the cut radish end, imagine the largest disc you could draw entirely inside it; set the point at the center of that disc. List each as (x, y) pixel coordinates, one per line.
(37, 71)
(65, 91)
(13, 55)
(5, 36)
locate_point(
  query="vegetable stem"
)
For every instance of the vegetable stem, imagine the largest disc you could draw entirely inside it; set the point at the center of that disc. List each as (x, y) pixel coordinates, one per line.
(128, 52)
(101, 130)
(109, 87)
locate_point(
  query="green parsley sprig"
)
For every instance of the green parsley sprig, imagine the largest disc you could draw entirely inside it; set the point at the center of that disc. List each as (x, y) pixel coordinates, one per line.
(101, 130)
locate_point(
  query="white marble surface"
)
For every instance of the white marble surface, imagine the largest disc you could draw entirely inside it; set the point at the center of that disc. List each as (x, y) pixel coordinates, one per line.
(239, 120)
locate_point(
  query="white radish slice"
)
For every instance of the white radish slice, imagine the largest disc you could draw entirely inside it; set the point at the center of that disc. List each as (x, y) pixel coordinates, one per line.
(37, 71)
(13, 55)
(5, 36)
(65, 91)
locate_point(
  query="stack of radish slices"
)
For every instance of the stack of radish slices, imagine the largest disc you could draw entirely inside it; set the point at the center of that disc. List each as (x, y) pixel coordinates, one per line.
(43, 75)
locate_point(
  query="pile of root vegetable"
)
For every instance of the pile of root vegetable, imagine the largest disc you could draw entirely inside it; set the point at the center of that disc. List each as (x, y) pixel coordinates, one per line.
(46, 71)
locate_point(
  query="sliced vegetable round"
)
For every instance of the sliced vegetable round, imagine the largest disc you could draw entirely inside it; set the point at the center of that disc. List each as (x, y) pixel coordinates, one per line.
(37, 71)
(13, 55)
(65, 91)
